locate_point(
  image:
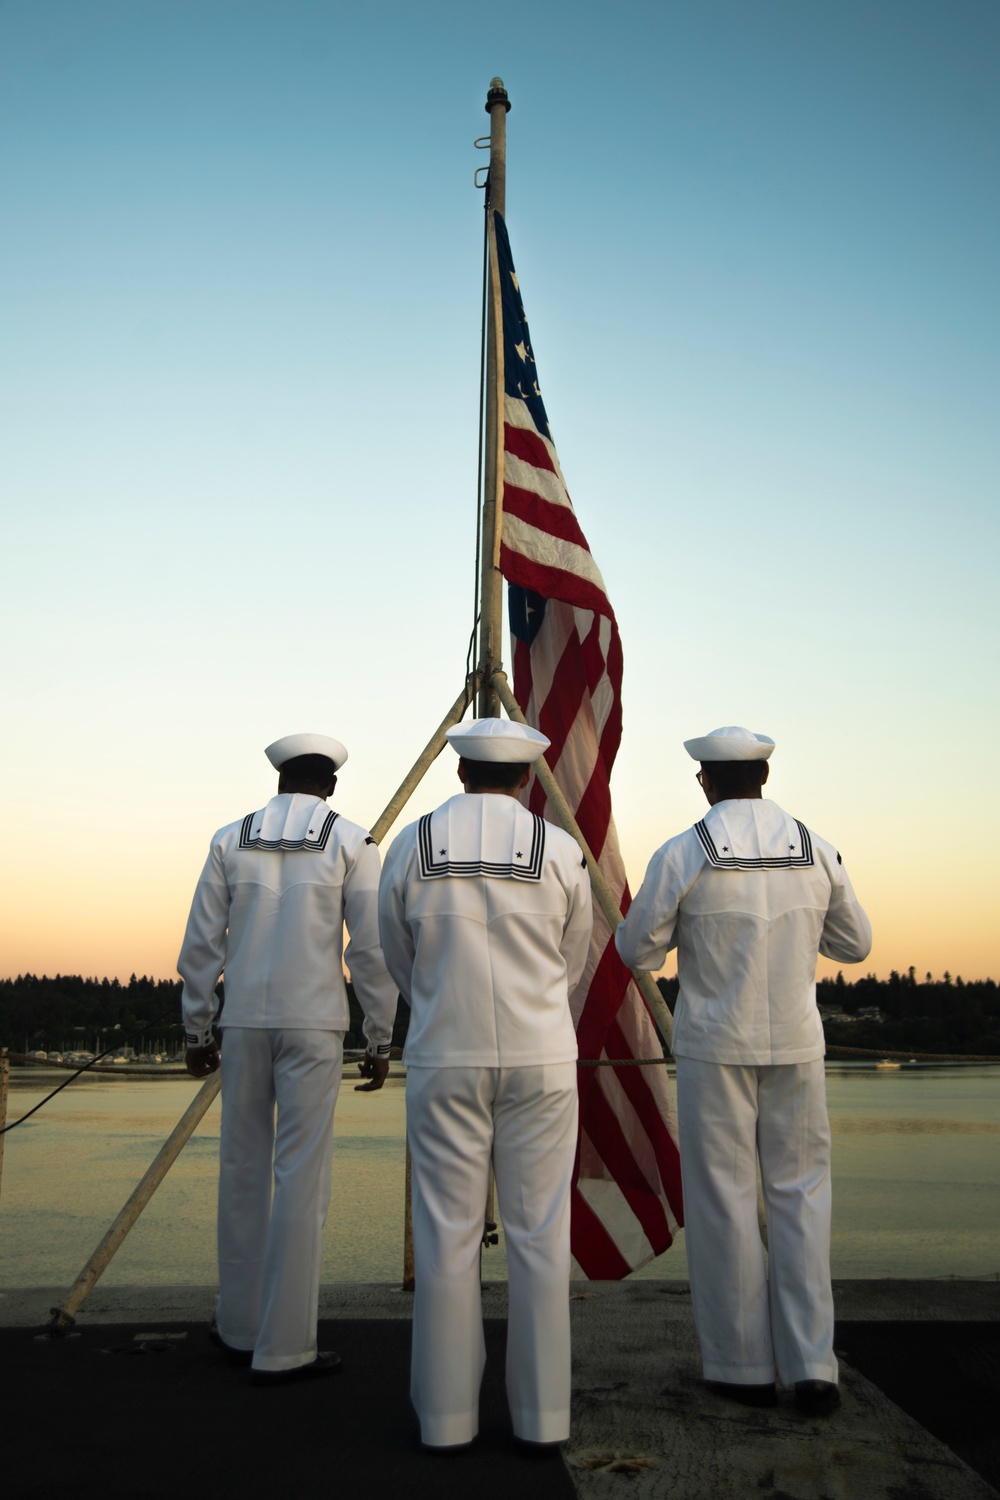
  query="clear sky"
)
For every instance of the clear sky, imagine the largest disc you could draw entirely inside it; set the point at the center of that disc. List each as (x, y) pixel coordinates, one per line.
(239, 299)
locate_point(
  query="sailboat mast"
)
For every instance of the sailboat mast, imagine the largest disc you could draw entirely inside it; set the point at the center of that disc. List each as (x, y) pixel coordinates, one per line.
(491, 582)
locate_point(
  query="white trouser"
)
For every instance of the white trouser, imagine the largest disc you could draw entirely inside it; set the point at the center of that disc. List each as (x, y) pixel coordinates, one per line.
(456, 1119)
(754, 1320)
(269, 1251)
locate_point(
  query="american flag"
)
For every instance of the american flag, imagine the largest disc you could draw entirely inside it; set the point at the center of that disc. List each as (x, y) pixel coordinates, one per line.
(567, 681)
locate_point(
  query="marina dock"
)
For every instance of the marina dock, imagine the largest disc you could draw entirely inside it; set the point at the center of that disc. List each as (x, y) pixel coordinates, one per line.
(137, 1402)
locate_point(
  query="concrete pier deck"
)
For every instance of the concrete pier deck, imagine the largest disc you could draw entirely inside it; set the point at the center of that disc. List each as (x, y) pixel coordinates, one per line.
(643, 1424)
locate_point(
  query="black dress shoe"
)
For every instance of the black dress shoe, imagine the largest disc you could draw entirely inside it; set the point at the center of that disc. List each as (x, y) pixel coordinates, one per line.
(816, 1398)
(532, 1449)
(746, 1395)
(323, 1364)
(233, 1356)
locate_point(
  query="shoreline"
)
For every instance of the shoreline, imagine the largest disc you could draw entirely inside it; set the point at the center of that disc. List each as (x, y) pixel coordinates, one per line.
(24, 1070)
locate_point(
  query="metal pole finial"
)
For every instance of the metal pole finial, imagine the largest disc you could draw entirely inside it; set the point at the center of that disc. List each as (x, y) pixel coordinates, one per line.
(497, 95)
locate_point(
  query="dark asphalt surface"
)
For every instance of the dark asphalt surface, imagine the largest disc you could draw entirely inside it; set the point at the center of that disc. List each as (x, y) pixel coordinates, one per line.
(104, 1414)
(944, 1375)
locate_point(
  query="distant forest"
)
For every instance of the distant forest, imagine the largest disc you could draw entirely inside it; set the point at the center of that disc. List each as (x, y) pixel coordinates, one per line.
(940, 1017)
(68, 1013)
(899, 1014)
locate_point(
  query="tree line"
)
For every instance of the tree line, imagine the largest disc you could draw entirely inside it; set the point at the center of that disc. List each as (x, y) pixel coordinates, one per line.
(904, 1014)
(929, 1015)
(900, 1013)
(67, 1011)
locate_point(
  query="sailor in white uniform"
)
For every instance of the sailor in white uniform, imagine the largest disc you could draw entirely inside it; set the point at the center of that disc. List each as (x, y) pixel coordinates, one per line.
(485, 914)
(748, 897)
(269, 909)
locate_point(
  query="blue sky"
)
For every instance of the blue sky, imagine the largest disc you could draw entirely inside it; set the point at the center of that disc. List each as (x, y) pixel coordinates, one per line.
(239, 289)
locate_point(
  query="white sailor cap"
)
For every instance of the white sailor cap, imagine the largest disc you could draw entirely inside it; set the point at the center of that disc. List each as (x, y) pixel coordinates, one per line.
(731, 742)
(305, 744)
(497, 739)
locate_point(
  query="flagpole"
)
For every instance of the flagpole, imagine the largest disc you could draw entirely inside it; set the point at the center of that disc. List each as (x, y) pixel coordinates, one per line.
(491, 582)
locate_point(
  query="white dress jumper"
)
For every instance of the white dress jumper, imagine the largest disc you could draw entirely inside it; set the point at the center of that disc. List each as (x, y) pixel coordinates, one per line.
(485, 917)
(269, 910)
(748, 897)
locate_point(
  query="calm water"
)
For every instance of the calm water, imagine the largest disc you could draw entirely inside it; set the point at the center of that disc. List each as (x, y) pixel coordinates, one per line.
(916, 1177)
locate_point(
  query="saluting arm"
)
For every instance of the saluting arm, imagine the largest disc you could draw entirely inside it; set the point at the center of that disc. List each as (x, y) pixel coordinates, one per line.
(201, 962)
(397, 939)
(578, 927)
(847, 932)
(372, 984)
(649, 930)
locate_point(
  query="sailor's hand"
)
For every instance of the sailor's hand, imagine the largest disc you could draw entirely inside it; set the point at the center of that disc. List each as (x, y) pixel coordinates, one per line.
(376, 1070)
(200, 1061)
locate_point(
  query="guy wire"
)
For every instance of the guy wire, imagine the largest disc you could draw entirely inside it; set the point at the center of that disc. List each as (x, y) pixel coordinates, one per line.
(140, 1026)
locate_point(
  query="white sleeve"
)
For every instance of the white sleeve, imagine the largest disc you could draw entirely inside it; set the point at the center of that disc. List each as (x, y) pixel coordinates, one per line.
(203, 951)
(847, 932)
(649, 931)
(579, 924)
(397, 938)
(363, 955)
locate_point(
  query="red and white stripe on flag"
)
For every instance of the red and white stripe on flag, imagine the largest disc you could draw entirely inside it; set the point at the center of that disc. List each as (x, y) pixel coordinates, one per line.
(567, 680)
